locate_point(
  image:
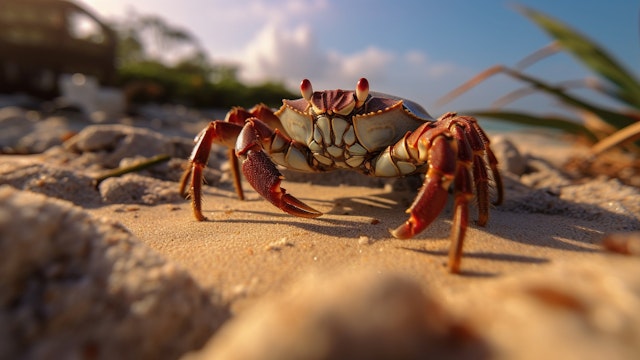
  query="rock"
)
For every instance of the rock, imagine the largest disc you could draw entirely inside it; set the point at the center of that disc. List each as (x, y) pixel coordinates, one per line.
(48, 132)
(74, 286)
(101, 147)
(136, 189)
(59, 182)
(362, 316)
(15, 123)
(508, 155)
(601, 198)
(107, 145)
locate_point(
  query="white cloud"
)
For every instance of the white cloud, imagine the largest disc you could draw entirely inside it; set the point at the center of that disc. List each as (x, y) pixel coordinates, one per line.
(277, 40)
(415, 57)
(290, 54)
(372, 62)
(281, 55)
(241, 13)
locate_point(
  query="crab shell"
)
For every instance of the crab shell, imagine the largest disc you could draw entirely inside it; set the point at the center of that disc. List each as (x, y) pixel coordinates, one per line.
(349, 125)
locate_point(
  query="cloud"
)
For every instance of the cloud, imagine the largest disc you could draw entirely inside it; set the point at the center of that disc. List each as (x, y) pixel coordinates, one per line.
(282, 55)
(283, 40)
(289, 54)
(372, 62)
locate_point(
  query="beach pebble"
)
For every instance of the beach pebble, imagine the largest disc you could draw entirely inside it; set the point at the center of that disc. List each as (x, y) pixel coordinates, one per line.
(15, 124)
(278, 245)
(365, 240)
(355, 316)
(136, 189)
(509, 158)
(109, 144)
(73, 286)
(59, 182)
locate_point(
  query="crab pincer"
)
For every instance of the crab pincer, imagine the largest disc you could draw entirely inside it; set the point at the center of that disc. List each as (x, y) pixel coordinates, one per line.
(262, 173)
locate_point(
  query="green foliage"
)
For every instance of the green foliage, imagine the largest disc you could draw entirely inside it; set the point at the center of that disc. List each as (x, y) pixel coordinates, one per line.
(626, 86)
(154, 81)
(147, 75)
(603, 126)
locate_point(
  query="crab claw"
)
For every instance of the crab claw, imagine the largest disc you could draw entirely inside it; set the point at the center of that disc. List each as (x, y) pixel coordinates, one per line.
(433, 195)
(265, 178)
(263, 175)
(428, 204)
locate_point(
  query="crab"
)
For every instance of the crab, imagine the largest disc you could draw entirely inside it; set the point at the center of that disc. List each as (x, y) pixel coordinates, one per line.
(371, 133)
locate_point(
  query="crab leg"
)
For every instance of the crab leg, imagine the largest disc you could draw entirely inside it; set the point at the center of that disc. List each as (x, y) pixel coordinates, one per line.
(463, 194)
(433, 195)
(453, 151)
(223, 132)
(220, 132)
(262, 173)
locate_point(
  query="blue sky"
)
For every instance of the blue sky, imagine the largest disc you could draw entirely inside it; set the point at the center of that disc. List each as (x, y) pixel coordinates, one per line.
(417, 49)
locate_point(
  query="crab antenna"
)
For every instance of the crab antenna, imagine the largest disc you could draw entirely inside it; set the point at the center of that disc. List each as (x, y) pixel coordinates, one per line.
(362, 91)
(306, 89)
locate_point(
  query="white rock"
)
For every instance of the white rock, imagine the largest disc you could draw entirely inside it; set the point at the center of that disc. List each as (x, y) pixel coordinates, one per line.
(73, 286)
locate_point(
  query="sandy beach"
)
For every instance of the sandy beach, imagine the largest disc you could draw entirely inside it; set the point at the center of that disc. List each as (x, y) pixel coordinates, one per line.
(536, 281)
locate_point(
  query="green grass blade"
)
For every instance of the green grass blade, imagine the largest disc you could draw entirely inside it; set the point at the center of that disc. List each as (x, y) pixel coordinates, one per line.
(554, 122)
(591, 55)
(132, 168)
(615, 119)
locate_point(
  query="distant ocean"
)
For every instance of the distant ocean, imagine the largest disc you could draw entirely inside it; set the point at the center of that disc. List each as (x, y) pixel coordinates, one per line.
(496, 126)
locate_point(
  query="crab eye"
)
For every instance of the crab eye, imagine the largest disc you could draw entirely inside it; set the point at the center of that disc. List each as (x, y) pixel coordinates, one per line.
(362, 91)
(306, 89)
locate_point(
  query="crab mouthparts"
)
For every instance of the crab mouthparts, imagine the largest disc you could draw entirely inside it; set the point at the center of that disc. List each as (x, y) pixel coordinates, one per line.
(332, 100)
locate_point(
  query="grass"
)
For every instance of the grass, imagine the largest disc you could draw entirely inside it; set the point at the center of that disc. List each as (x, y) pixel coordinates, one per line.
(607, 129)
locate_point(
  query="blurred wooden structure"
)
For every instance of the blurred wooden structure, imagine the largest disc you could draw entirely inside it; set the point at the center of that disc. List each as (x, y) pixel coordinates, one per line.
(43, 39)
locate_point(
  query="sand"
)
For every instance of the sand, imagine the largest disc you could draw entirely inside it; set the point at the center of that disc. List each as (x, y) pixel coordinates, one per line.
(544, 242)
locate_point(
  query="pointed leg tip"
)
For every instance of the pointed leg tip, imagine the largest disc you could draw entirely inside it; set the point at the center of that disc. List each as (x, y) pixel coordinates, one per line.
(454, 268)
(200, 217)
(403, 231)
(455, 260)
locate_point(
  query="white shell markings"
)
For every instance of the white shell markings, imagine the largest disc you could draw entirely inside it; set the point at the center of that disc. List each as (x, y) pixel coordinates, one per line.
(298, 125)
(385, 167)
(335, 151)
(355, 161)
(296, 160)
(323, 124)
(349, 136)
(339, 127)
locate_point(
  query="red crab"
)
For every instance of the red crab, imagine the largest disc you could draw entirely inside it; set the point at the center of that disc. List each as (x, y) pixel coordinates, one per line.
(372, 133)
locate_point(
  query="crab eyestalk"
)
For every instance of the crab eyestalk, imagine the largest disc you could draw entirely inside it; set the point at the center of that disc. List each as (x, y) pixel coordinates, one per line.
(362, 92)
(306, 89)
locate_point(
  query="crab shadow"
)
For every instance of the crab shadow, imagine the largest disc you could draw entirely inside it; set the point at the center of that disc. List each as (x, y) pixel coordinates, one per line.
(509, 258)
(342, 220)
(571, 226)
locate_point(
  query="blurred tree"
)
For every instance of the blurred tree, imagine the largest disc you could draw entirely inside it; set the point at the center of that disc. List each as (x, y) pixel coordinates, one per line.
(150, 37)
(158, 61)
